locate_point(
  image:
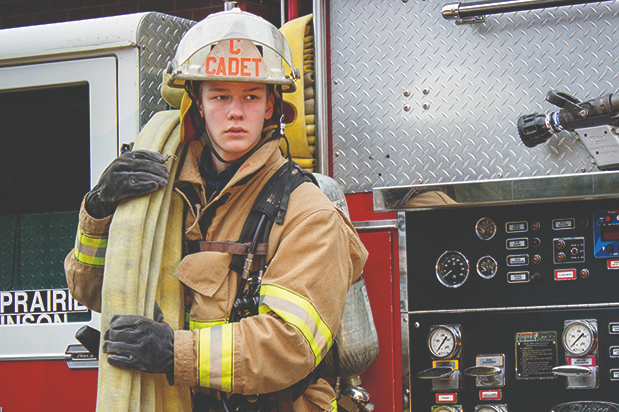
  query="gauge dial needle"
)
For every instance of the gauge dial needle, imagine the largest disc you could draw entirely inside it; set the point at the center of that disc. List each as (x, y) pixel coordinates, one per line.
(447, 274)
(577, 339)
(441, 345)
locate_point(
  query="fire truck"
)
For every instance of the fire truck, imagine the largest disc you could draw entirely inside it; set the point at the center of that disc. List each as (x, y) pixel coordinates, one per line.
(477, 147)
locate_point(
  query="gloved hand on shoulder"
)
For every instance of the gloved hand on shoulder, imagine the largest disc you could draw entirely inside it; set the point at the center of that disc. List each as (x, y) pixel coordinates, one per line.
(139, 343)
(132, 174)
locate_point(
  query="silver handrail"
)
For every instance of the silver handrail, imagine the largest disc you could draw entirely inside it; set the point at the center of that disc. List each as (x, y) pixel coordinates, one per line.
(474, 10)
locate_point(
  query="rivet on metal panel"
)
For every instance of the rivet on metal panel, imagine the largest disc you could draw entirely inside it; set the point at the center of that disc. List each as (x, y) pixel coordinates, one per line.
(420, 181)
(407, 93)
(499, 175)
(426, 106)
(416, 325)
(426, 91)
(337, 154)
(405, 320)
(407, 108)
(335, 82)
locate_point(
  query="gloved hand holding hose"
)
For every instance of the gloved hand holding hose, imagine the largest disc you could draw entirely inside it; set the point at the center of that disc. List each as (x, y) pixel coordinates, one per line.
(138, 343)
(132, 174)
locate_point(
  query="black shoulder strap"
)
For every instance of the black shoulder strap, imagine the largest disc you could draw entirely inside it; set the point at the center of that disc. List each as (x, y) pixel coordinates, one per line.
(267, 203)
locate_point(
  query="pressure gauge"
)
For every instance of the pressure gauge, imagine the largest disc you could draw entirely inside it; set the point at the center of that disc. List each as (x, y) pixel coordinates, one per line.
(485, 228)
(454, 408)
(444, 341)
(491, 408)
(579, 337)
(487, 267)
(452, 269)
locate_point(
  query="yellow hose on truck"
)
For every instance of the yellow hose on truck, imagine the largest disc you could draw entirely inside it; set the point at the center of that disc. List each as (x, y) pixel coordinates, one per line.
(138, 272)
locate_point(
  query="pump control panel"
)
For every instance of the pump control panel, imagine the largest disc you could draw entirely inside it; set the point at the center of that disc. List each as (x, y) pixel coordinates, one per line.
(513, 307)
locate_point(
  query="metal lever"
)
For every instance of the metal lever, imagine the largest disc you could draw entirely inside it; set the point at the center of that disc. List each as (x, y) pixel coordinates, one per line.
(436, 373)
(476, 11)
(571, 371)
(482, 371)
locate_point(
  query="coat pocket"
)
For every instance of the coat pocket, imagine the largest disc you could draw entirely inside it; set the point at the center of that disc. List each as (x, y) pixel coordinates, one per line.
(204, 272)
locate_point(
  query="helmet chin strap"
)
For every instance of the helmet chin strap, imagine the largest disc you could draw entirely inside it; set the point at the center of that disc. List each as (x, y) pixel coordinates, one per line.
(283, 205)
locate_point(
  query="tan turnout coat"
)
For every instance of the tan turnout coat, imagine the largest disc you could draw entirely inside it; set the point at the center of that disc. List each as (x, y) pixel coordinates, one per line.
(316, 254)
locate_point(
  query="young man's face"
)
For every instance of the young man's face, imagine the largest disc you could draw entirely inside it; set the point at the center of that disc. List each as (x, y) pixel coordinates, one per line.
(234, 114)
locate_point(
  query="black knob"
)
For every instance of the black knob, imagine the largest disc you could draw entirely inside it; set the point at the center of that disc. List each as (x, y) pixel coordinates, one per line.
(609, 248)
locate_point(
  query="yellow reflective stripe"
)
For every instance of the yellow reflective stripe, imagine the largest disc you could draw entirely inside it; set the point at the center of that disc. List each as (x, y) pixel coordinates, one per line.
(90, 250)
(333, 405)
(299, 312)
(216, 357)
(201, 324)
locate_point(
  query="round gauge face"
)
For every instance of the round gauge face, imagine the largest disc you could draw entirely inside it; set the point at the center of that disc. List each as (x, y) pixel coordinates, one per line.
(441, 342)
(485, 228)
(487, 267)
(578, 339)
(486, 409)
(452, 269)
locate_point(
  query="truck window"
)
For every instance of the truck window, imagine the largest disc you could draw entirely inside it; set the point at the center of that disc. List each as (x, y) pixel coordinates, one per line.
(44, 174)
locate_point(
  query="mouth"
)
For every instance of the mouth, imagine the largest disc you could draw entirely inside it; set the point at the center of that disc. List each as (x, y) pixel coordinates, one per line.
(235, 130)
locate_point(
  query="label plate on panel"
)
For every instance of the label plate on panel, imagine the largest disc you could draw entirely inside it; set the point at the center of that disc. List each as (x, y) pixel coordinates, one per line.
(565, 274)
(446, 398)
(487, 394)
(536, 355)
(518, 277)
(516, 227)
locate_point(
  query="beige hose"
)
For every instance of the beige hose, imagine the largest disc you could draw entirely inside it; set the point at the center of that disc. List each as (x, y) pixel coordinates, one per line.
(138, 271)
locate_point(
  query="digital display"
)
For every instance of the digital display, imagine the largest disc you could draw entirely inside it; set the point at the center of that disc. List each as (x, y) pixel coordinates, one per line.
(609, 233)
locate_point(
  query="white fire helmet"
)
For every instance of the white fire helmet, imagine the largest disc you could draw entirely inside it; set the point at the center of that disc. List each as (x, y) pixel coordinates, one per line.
(233, 46)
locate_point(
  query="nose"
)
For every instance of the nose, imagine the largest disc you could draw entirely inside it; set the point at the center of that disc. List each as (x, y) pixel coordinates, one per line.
(236, 109)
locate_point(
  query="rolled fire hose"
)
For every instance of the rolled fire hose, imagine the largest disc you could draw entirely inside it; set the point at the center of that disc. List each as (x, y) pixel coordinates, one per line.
(139, 271)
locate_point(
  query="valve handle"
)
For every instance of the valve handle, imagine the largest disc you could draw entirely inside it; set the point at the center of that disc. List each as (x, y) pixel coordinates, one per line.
(571, 370)
(436, 373)
(485, 370)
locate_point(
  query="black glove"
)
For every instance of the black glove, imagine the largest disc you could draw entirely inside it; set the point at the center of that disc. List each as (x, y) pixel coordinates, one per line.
(129, 175)
(139, 343)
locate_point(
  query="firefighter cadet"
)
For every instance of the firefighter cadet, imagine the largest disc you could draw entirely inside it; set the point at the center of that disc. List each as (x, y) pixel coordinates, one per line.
(256, 333)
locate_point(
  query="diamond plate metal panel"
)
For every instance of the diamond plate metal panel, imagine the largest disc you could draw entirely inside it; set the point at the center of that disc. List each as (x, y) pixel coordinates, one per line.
(158, 36)
(33, 248)
(419, 99)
